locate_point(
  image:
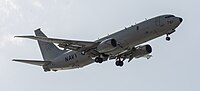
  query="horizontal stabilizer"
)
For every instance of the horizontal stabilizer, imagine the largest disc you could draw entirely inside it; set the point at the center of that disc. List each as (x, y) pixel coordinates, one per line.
(33, 62)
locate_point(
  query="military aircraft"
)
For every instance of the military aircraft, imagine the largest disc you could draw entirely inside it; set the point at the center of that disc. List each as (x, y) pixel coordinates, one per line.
(121, 45)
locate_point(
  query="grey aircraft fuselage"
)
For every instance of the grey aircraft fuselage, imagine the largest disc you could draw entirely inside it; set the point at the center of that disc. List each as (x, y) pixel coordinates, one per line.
(126, 39)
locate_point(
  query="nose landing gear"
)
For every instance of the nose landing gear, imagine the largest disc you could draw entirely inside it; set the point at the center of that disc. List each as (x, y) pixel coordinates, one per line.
(168, 38)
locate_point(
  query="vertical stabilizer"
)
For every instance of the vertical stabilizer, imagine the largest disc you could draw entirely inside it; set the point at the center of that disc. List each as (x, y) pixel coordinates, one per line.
(49, 50)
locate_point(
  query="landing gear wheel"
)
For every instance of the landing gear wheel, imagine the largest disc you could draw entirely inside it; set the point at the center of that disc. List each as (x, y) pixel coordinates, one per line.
(119, 63)
(46, 70)
(168, 38)
(55, 70)
(98, 60)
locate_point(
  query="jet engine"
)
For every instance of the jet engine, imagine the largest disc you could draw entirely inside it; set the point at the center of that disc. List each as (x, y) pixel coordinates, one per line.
(107, 45)
(142, 51)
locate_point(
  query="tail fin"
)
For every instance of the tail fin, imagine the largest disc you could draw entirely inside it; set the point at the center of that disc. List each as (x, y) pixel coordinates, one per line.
(49, 50)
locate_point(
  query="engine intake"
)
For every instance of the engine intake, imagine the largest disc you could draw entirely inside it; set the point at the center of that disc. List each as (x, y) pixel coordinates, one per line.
(142, 51)
(107, 45)
(114, 42)
(148, 48)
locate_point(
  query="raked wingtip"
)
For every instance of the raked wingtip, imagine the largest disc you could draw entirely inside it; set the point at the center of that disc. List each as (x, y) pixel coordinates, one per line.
(23, 36)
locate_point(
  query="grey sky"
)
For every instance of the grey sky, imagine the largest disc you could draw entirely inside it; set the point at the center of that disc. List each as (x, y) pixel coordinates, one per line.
(174, 66)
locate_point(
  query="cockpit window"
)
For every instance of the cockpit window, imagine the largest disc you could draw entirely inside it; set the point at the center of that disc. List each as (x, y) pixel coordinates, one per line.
(169, 16)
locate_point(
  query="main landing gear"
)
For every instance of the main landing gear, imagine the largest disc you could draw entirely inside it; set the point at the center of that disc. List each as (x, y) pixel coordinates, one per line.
(119, 63)
(46, 69)
(101, 58)
(98, 60)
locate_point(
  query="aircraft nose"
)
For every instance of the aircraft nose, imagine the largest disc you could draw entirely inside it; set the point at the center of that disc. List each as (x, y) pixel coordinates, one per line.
(180, 19)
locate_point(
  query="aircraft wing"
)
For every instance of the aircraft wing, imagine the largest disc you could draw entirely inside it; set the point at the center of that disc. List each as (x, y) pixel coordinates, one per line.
(66, 44)
(33, 62)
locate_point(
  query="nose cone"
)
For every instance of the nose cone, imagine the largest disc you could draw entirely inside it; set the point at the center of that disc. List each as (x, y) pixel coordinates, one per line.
(180, 19)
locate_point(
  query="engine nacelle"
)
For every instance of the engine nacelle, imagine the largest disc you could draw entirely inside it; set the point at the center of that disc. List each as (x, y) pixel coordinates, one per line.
(107, 45)
(142, 50)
